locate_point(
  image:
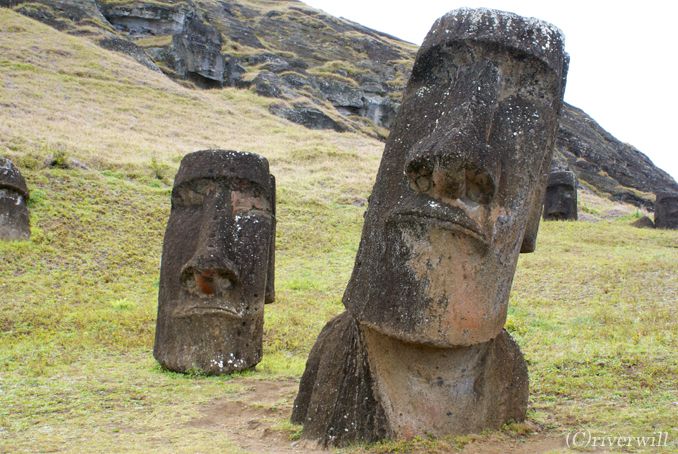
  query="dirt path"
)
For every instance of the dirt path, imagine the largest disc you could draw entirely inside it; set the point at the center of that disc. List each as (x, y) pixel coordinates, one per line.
(251, 419)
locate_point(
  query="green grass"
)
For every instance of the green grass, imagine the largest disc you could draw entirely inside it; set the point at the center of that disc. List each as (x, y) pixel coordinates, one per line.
(593, 308)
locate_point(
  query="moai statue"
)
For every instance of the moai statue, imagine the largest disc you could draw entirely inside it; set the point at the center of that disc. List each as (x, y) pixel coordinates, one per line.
(421, 347)
(217, 264)
(560, 202)
(666, 210)
(14, 221)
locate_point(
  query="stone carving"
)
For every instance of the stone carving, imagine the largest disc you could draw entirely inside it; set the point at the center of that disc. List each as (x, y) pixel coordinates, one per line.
(666, 210)
(14, 221)
(421, 347)
(560, 202)
(217, 263)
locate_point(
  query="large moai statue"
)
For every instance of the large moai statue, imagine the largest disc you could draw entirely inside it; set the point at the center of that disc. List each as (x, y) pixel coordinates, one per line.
(560, 202)
(421, 347)
(666, 210)
(14, 220)
(217, 264)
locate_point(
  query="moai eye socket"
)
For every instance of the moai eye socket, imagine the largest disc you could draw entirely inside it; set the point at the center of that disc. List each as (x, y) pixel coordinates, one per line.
(480, 186)
(420, 175)
(186, 196)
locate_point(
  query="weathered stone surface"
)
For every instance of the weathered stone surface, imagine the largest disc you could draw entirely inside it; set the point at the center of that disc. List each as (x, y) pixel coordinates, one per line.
(306, 115)
(305, 46)
(560, 202)
(198, 53)
(336, 401)
(14, 220)
(604, 162)
(643, 223)
(217, 263)
(462, 174)
(666, 210)
(151, 18)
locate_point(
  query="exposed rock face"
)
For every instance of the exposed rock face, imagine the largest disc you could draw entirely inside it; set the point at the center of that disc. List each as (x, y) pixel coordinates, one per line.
(666, 210)
(217, 264)
(607, 164)
(14, 220)
(143, 19)
(459, 179)
(560, 202)
(197, 50)
(336, 74)
(308, 116)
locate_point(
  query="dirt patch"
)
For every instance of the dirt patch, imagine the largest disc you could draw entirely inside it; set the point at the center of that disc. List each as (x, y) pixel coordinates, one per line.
(251, 419)
(504, 445)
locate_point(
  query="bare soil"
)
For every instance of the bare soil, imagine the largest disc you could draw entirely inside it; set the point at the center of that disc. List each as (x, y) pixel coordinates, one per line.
(251, 419)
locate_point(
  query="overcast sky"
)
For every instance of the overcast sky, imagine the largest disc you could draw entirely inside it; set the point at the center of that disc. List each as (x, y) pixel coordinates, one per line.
(623, 68)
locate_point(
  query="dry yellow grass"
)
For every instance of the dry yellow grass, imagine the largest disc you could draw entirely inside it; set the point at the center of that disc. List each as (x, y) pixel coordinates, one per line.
(64, 93)
(593, 309)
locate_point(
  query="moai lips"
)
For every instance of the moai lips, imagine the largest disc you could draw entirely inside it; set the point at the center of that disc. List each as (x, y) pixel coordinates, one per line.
(560, 202)
(217, 263)
(14, 219)
(421, 347)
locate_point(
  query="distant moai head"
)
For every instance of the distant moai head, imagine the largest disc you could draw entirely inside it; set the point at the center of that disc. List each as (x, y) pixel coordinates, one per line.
(217, 263)
(462, 171)
(560, 202)
(666, 210)
(14, 220)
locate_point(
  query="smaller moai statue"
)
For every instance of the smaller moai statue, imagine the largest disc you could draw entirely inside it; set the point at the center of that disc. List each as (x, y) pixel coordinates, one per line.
(217, 264)
(560, 202)
(666, 210)
(14, 221)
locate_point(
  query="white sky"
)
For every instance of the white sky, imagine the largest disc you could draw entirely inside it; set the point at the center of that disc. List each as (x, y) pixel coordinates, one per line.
(624, 57)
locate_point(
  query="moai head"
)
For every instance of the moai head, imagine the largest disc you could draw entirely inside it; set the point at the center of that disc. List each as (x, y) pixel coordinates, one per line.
(560, 202)
(217, 263)
(14, 221)
(666, 210)
(461, 174)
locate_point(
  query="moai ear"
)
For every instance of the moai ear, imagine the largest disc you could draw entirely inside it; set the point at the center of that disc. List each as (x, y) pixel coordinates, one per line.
(532, 228)
(270, 279)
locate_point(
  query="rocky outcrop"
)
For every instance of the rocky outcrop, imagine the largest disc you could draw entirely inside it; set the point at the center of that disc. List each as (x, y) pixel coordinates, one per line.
(197, 53)
(143, 19)
(605, 163)
(325, 68)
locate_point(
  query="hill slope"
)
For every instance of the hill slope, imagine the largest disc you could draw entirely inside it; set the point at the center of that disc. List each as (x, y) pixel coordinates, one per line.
(592, 309)
(323, 72)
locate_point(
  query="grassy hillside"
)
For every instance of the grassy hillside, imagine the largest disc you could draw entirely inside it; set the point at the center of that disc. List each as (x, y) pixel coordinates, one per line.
(593, 309)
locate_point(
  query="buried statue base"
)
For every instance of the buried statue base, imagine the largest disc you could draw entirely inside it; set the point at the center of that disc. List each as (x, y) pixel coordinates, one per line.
(421, 348)
(362, 386)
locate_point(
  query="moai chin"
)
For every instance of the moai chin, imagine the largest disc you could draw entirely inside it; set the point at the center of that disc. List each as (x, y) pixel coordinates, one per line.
(420, 348)
(217, 264)
(14, 219)
(666, 210)
(560, 202)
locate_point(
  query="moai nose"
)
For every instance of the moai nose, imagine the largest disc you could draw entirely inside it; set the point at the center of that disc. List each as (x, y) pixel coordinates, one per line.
(210, 272)
(445, 182)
